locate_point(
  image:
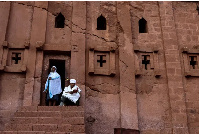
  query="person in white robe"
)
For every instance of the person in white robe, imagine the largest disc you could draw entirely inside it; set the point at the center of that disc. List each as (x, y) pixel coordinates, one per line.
(53, 87)
(71, 94)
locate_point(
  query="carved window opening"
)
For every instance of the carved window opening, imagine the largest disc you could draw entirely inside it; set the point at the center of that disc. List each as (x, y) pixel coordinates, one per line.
(100, 60)
(101, 23)
(193, 62)
(59, 21)
(142, 26)
(146, 61)
(16, 58)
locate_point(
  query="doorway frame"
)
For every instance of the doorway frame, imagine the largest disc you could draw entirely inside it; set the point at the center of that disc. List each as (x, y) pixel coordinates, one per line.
(45, 70)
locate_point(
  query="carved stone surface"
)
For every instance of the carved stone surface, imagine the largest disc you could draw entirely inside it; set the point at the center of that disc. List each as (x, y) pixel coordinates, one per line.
(131, 80)
(102, 61)
(191, 62)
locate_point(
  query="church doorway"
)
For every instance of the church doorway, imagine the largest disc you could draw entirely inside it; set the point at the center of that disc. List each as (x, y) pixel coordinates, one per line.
(62, 63)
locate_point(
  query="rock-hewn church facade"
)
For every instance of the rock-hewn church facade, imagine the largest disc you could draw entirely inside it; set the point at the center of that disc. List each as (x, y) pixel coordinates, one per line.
(137, 63)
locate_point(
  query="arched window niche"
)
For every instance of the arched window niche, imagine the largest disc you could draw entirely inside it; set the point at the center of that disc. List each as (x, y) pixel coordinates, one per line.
(101, 23)
(143, 26)
(60, 21)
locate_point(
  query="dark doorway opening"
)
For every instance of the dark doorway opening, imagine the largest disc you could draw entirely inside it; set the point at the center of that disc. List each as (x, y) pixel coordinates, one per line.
(60, 65)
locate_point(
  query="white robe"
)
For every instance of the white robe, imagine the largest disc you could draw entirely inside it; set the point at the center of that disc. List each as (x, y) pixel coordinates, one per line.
(54, 84)
(73, 97)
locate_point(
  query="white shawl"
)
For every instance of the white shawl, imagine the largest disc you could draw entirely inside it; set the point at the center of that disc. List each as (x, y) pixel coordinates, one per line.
(73, 97)
(54, 84)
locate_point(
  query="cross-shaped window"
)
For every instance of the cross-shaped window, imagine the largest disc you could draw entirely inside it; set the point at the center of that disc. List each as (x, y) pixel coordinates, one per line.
(193, 61)
(146, 60)
(100, 59)
(16, 57)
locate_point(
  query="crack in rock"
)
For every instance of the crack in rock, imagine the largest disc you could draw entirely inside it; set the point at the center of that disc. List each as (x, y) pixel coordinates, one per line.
(68, 25)
(93, 88)
(124, 68)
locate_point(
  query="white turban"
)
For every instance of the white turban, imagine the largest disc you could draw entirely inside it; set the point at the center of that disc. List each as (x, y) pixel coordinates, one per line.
(72, 81)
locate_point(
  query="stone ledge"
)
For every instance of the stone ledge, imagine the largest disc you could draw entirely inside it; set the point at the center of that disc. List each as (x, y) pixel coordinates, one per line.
(48, 47)
(15, 46)
(16, 69)
(154, 49)
(188, 50)
(103, 48)
(1, 67)
(5, 44)
(192, 73)
(156, 73)
(106, 72)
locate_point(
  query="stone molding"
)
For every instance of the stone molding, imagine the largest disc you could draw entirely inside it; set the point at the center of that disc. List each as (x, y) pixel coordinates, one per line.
(5, 44)
(14, 46)
(41, 46)
(189, 50)
(16, 69)
(154, 49)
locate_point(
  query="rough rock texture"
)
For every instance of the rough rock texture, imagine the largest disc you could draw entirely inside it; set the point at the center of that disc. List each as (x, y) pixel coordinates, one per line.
(130, 80)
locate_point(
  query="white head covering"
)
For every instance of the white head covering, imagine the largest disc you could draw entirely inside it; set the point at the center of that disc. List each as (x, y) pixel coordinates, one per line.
(72, 81)
(54, 67)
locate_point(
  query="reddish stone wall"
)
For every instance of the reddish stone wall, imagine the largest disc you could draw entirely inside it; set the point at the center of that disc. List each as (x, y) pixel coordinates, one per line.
(187, 25)
(120, 93)
(59, 36)
(102, 98)
(152, 92)
(19, 25)
(12, 89)
(11, 95)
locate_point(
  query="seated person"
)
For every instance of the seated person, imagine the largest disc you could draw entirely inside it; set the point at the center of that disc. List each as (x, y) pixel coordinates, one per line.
(71, 94)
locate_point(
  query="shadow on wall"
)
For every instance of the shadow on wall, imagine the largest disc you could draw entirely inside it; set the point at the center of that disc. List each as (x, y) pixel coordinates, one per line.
(125, 131)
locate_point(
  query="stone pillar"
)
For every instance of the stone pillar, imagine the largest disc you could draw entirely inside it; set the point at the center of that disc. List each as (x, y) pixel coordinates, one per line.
(129, 116)
(4, 13)
(77, 69)
(37, 81)
(173, 66)
(37, 35)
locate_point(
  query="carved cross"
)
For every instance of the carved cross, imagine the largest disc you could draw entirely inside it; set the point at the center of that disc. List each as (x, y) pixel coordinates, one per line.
(101, 61)
(193, 61)
(16, 57)
(146, 60)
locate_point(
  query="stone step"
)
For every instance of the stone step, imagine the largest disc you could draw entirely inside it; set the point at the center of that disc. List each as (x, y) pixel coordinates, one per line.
(63, 114)
(48, 120)
(50, 108)
(36, 132)
(22, 132)
(46, 127)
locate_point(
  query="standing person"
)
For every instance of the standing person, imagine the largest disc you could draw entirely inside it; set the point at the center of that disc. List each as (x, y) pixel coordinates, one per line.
(53, 87)
(71, 94)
